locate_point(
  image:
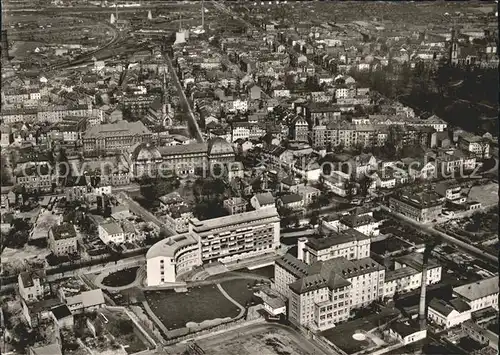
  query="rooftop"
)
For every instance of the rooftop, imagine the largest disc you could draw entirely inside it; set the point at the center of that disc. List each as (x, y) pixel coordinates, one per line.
(251, 217)
(336, 238)
(61, 312)
(168, 246)
(120, 128)
(416, 260)
(479, 289)
(64, 231)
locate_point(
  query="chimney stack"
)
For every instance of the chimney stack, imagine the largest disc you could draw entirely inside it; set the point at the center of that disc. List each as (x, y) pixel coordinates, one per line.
(423, 288)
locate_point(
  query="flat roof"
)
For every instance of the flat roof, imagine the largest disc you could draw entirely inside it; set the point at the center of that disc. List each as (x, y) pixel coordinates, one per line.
(168, 246)
(240, 218)
(400, 273)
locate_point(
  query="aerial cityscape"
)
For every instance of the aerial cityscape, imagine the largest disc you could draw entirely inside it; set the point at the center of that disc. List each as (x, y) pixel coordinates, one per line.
(249, 178)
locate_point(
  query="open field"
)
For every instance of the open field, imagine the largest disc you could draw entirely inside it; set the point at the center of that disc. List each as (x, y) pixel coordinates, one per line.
(486, 194)
(240, 292)
(262, 339)
(121, 278)
(200, 304)
(44, 222)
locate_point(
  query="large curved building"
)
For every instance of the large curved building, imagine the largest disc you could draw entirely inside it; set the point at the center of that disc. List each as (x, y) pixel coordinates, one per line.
(223, 239)
(171, 257)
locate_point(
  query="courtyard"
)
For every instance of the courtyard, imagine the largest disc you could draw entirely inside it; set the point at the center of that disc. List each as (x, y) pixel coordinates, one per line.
(121, 278)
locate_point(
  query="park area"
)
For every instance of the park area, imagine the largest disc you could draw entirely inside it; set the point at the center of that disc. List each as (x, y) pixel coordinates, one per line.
(198, 305)
(121, 278)
(123, 330)
(476, 228)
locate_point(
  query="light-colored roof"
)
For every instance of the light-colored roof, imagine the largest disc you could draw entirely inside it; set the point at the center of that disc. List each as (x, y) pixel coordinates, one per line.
(52, 349)
(92, 298)
(168, 246)
(112, 228)
(119, 128)
(477, 290)
(236, 219)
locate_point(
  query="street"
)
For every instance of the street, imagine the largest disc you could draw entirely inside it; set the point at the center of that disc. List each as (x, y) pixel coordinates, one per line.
(447, 238)
(191, 116)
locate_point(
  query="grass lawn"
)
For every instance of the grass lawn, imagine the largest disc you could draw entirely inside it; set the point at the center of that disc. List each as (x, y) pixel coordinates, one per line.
(121, 278)
(265, 271)
(239, 291)
(175, 310)
(123, 329)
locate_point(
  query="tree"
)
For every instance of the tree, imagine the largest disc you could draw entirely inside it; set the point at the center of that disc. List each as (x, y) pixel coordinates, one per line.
(364, 184)
(314, 219)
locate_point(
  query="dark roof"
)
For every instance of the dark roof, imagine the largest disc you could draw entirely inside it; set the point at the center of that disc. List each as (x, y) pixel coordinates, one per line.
(291, 198)
(403, 329)
(336, 238)
(293, 265)
(265, 198)
(61, 312)
(416, 260)
(64, 231)
(28, 276)
(354, 221)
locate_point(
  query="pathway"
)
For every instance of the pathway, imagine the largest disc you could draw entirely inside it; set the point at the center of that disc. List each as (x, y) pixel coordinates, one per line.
(242, 309)
(136, 283)
(446, 237)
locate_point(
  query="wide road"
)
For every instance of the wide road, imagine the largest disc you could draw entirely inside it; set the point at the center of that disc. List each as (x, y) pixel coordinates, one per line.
(446, 237)
(180, 90)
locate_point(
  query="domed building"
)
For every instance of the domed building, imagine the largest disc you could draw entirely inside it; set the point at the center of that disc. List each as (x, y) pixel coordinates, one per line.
(146, 159)
(220, 151)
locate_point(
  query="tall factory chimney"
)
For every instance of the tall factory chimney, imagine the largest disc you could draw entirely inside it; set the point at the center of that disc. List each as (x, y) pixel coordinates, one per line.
(116, 11)
(423, 289)
(202, 14)
(4, 45)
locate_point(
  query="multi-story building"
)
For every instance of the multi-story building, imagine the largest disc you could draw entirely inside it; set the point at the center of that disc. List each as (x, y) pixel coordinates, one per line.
(171, 257)
(35, 178)
(118, 136)
(325, 292)
(451, 191)
(178, 217)
(235, 205)
(147, 160)
(111, 232)
(237, 236)
(219, 239)
(32, 285)
(63, 239)
(478, 146)
(423, 207)
(448, 314)
(479, 295)
(407, 274)
(347, 243)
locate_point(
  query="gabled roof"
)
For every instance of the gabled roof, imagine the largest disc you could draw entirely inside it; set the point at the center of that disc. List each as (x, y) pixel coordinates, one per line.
(61, 312)
(265, 198)
(477, 290)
